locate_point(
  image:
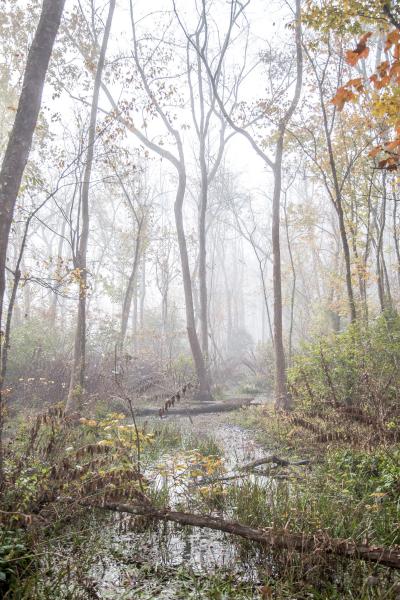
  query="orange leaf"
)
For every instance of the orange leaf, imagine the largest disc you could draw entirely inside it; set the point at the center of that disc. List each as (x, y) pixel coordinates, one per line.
(356, 83)
(375, 151)
(353, 56)
(364, 38)
(392, 145)
(394, 69)
(379, 84)
(342, 96)
(392, 38)
(383, 67)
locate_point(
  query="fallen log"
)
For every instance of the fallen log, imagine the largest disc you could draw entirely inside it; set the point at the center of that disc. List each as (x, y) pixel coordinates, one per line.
(257, 473)
(192, 410)
(277, 539)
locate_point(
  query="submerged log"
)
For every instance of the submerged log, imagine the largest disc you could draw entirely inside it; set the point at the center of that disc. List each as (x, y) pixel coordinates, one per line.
(277, 539)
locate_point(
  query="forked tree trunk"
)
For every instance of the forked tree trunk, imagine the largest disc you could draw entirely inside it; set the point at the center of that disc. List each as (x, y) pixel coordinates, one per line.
(179, 164)
(282, 399)
(77, 381)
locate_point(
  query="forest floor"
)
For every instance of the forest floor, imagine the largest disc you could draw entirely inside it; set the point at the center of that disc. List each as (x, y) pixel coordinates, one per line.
(202, 463)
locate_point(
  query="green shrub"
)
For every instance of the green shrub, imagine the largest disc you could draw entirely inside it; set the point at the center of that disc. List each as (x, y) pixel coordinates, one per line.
(358, 367)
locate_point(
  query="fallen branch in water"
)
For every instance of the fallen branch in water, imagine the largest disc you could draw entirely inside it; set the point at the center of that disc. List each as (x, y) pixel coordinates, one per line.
(251, 469)
(279, 539)
(280, 462)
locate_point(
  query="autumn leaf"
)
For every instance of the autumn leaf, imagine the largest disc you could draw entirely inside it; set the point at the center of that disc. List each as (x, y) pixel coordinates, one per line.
(381, 83)
(392, 38)
(375, 151)
(395, 69)
(389, 146)
(342, 96)
(357, 84)
(382, 163)
(383, 67)
(361, 51)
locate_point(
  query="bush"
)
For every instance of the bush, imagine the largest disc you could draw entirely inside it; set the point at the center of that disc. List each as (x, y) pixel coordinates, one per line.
(358, 368)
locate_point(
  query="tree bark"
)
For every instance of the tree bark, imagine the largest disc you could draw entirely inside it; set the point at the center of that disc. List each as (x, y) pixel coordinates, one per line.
(277, 539)
(338, 205)
(126, 307)
(281, 395)
(19, 145)
(204, 392)
(77, 381)
(282, 398)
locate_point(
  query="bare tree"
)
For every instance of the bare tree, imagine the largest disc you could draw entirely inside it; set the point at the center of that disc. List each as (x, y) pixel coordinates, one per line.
(76, 386)
(178, 162)
(282, 399)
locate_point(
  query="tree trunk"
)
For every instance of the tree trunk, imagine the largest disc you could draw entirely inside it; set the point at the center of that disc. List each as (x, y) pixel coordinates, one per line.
(338, 205)
(204, 392)
(281, 396)
(142, 291)
(278, 539)
(77, 381)
(126, 307)
(203, 254)
(20, 142)
(293, 292)
(396, 236)
(135, 316)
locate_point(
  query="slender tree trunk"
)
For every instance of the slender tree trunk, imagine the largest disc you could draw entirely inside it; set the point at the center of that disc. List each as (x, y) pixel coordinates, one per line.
(281, 396)
(203, 254)
(127, 303)
(228, 299)
(338, 204)
(54, 300)
(142, 290)
(19, 145)
(204, 392)
(77, 381)
(396, 236)
(135, 316)
(20, 140)
(293, 292)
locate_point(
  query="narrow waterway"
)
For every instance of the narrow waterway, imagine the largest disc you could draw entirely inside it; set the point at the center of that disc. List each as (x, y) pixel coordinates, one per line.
(163, 548)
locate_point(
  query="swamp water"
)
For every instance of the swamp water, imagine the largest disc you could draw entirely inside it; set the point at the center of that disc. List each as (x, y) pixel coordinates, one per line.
(164, 560)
